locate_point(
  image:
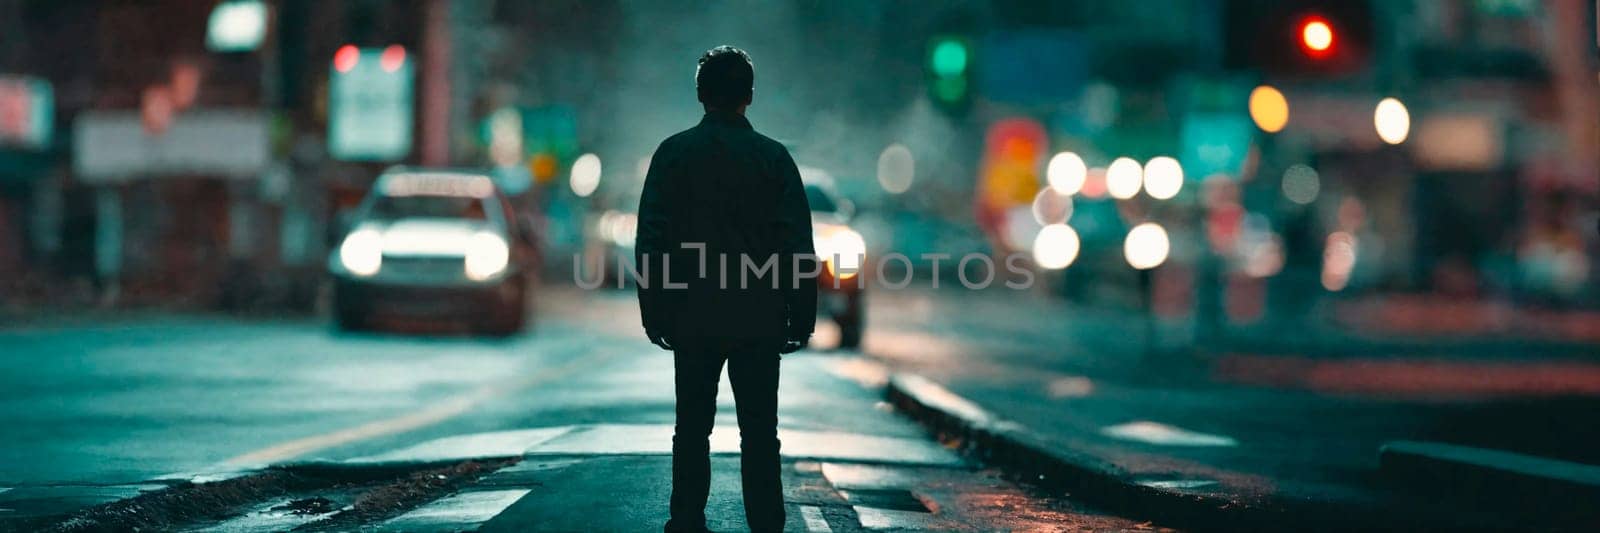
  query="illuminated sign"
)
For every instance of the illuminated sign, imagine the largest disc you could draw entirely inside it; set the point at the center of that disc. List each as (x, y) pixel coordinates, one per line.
(27, 112)
(370, 113)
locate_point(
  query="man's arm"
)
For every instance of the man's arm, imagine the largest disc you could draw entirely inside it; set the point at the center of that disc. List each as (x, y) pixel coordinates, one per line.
(794, 232)
(651, 243)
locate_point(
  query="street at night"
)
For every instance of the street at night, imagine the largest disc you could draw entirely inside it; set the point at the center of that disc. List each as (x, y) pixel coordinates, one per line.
(799, 265)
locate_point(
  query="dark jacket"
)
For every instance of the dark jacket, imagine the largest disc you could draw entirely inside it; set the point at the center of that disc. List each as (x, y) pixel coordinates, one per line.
(722, 184)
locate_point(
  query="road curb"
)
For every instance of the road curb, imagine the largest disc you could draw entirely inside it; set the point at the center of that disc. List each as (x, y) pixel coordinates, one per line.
(1019, 451)
(1503, 478)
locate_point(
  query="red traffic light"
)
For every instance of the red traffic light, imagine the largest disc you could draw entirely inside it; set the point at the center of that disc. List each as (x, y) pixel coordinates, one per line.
(1317, 38)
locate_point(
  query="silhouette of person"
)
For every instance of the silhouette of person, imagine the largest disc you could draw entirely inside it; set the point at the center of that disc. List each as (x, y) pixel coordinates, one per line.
(738, 194)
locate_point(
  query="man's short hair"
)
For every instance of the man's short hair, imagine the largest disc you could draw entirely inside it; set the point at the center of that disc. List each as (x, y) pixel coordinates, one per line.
(726, 77)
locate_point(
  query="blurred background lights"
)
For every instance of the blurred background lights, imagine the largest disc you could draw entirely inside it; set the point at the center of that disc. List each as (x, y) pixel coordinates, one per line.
(1392, 120)
(949, 58)
(585, 175)
(1094, 185)
(346, 58)
(1066, 173)
(394, 57)
(236, 26)
(1020, 228)
(505, 137)
(896, 169)
(1301, 184)
(1056, 247)
(1146, 246)
(1338, 259)
(1124, 178)
(1051, 207)
(1269, 109)
(1163, 177)
(1316, 35)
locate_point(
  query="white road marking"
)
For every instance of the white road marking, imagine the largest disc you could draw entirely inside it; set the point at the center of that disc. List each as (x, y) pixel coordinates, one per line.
(464, 509)
(875, 518)
(656, 439)
(814, 520)
(472, 446)
(1157, 433)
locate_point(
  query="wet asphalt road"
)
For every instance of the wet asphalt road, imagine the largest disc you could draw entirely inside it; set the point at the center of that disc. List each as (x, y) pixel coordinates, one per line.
(95, 410)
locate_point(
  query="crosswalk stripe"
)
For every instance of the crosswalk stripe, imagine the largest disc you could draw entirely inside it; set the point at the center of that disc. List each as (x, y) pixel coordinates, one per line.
(455, 512)
(815, 522)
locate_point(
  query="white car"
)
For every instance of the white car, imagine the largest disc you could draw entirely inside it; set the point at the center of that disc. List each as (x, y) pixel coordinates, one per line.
(434, 244)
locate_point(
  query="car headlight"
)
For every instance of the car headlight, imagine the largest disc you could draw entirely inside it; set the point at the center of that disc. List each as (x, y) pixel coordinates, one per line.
(362, 252)
(487, 255)
(844, 245)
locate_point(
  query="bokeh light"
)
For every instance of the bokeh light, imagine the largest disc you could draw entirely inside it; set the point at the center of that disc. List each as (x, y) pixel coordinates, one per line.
(585, 175)
(1051, 207)
(1338, 260)
(1392, 121)
(896, 169)
(1301, 184)
(1163, 177)
(392, 58)
(1269, 109)
(1066, 173)
(1056, 247)
(1124, 178)
(1146, 246)
(346, 58)
(1316, 34)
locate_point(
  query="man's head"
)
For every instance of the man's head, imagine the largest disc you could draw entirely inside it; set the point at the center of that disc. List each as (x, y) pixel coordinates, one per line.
(725, 79)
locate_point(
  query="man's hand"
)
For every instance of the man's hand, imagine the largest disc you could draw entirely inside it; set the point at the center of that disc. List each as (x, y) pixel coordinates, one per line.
(794, 345)
(660, 340)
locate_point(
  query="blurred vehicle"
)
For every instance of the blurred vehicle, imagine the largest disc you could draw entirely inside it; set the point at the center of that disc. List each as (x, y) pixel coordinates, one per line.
(434, 244)
(612, 235)
(840, 288)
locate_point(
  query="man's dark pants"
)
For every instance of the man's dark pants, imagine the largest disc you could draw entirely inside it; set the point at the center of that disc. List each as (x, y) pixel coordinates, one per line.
(753, 372)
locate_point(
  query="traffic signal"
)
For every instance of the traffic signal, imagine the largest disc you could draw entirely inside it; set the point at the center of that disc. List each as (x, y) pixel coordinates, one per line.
(1316, 37)
(949, 69)
(1304, 38)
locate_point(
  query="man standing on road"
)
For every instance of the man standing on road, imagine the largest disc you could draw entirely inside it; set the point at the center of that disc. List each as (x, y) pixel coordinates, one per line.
(719, 197)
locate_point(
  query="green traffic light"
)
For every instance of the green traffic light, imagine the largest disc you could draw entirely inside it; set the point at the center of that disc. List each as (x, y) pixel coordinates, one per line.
(950, 90)
(949, 58)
